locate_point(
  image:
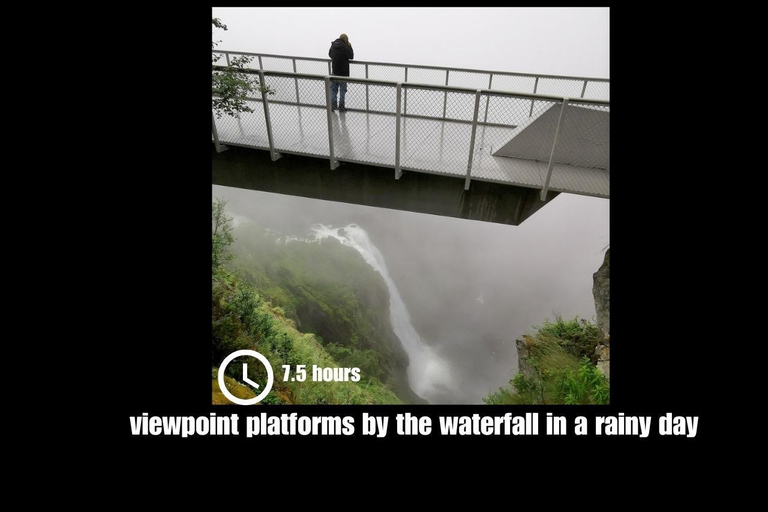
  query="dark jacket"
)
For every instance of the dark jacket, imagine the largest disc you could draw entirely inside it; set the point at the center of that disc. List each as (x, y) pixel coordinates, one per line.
(341, 54)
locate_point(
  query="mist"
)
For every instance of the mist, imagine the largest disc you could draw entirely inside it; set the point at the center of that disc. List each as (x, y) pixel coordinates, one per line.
(559, 41)
(470, 287)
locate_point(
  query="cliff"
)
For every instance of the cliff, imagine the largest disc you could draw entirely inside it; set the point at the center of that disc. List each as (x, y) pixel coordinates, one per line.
(565, 361)
(328, 290)
(601, 291)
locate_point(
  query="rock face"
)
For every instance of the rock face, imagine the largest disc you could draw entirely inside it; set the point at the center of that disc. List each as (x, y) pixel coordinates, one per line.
(523, 354)
(601, 291)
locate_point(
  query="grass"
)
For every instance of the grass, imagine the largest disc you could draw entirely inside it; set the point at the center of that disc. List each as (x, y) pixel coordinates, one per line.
(562, 370)
(233, 387)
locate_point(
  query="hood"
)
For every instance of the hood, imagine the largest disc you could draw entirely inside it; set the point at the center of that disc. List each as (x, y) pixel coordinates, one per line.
(337, 43)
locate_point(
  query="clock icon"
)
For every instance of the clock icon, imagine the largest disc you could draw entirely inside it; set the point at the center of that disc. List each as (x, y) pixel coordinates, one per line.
(262, 360)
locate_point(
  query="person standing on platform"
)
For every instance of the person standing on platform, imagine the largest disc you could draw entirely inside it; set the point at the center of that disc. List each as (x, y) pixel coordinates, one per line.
(341, 53)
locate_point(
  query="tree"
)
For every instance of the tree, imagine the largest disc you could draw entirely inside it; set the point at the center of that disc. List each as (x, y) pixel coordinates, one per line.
(231, 87)
(221, 234)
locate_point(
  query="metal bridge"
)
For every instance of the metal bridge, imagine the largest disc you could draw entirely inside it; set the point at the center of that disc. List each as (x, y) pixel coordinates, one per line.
(541, 132)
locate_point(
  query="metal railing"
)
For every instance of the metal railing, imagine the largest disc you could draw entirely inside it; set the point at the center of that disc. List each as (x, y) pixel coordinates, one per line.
(439, 129)
(558, 85)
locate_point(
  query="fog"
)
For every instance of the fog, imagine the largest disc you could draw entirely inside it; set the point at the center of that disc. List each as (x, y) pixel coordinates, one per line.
(558, 41)
(471, 288)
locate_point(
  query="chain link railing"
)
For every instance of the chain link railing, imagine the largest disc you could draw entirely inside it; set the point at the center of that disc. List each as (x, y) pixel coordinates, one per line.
(549, 142)
(570, 86)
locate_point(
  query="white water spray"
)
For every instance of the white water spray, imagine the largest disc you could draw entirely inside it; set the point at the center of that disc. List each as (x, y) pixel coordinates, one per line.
(428, 373)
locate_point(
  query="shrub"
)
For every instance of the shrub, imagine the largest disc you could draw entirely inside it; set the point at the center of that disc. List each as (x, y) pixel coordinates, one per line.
(578, 337)
(562, 357)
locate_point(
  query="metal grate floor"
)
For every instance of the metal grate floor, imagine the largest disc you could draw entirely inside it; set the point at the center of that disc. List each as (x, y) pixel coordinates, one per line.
(427, 145)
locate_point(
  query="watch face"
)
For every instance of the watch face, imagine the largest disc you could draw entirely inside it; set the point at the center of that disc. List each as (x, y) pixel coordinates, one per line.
(254, 358)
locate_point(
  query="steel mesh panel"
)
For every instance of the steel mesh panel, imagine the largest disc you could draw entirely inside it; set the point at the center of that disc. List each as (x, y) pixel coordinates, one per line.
(284, 88)
(295, 128)
(388, 73)
(253, 62)
(249, 61)
(513, 83)
(355, 97)
(311, 67)
(434, 145)
(461, 106)
(378, 98)
(506, 110)
(580, 180)
(244, 129)
(426, 76)
(366, 138)
(312, 91)
(560, 87)
(299, 129)
(469, 79)
(356, 70)
(276, 64)
(424, 102)
(598, 91)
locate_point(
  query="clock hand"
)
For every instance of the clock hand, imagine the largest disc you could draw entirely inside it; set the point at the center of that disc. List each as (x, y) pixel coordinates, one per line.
(245, 376)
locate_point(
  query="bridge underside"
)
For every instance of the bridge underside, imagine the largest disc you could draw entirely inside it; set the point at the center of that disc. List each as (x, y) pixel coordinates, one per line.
(368, 185)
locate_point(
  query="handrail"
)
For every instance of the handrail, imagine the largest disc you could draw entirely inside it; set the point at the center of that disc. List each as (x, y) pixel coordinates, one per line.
(420, 66)
(369, 81)
(400, 111)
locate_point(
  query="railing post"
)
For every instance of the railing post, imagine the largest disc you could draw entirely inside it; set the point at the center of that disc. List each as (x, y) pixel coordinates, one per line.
(445, 94)
(472, 141)
(584, 89)
(398, 172)
(260, 66)
(405, 94)
(334, 163)
(367, 108)
(488, 99)
(219, 147)
(535, 87)
(272, 153)
(552, 154)
(296, 81)
(329, 68)
(227, 54)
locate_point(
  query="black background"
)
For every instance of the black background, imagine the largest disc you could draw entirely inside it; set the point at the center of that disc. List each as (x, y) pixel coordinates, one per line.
(158, 323)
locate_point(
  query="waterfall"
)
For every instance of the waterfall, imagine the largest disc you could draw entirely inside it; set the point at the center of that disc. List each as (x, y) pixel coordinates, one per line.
(428, 373)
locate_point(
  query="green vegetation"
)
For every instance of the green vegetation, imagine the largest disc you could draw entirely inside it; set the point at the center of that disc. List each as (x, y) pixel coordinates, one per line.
(231, 87)
(234, 387)
(241, 319)
(558, 367)
(221, 235)
(326, 289)
(578, 337)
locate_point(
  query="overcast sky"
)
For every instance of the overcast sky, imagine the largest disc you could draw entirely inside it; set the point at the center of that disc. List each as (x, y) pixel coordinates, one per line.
(559, 41)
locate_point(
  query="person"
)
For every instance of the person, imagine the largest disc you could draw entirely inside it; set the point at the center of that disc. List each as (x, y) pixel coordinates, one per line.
(341, 53)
